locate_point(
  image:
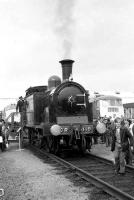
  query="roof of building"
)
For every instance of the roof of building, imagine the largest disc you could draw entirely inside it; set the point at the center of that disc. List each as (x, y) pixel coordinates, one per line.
(128, 105)
(107, 97)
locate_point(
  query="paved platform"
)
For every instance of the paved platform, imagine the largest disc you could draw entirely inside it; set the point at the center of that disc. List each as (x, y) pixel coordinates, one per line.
(105, 152)
(102, 151)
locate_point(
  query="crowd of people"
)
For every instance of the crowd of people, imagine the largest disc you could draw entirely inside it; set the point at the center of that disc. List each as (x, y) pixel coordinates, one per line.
(119, 135)
(4, 134)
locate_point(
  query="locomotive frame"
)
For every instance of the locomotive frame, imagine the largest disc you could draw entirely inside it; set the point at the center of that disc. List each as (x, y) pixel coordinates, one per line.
(58, 130)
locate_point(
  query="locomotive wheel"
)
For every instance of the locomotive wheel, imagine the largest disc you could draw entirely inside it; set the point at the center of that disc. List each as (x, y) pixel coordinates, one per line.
(56, 146)
(50, 144)
(88, 143)
(44, 144)
(29, 136)
(82, 145)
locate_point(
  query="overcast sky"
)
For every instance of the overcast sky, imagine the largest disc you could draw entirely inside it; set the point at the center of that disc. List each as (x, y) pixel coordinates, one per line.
(36, 34)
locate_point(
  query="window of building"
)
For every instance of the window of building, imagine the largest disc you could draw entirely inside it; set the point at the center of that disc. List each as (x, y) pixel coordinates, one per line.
(113, 109)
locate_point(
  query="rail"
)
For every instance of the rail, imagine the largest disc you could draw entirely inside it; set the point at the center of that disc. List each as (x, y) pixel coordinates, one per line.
(104, 185)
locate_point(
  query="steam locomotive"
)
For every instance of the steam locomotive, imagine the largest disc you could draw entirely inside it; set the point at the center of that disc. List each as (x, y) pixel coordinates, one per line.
(59, 116)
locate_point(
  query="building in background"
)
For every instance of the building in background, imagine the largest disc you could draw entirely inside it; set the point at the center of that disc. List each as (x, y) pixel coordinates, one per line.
(9, 113)
(107, 106)
(8, 110)
(129, 110)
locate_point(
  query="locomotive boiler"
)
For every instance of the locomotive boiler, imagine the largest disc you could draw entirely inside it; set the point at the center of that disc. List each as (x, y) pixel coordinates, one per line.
(59, 116)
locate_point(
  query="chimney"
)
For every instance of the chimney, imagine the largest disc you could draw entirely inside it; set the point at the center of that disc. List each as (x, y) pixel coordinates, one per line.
(66, 68)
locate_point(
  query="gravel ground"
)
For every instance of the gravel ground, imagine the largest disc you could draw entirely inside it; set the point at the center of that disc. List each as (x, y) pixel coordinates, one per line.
(23, 176)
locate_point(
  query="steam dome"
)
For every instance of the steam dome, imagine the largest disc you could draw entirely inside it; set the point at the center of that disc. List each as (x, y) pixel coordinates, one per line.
(53, 82)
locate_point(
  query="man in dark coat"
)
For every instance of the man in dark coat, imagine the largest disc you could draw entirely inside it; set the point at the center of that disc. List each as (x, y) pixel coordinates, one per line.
(121, 140)
(20, 107)
(20, 104)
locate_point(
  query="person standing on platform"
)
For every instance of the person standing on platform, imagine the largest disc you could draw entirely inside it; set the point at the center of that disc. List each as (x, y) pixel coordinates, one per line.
(108, 133)
(95, 136)
(2, 146)
(19, 108)
(131, 128)
(121, 140)
(103, 136)
(129, 155)
(5, 132)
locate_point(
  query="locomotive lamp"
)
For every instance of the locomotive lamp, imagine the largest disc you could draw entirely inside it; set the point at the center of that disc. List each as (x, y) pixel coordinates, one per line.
(55, 130)
(66, 69)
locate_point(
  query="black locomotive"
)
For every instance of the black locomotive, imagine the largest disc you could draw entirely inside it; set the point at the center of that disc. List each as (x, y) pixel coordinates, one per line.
(59, 116)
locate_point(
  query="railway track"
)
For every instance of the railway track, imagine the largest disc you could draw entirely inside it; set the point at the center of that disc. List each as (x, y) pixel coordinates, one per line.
(99, 172)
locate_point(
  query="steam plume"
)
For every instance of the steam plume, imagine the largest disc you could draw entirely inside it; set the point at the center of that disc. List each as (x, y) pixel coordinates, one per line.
(65, 24)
